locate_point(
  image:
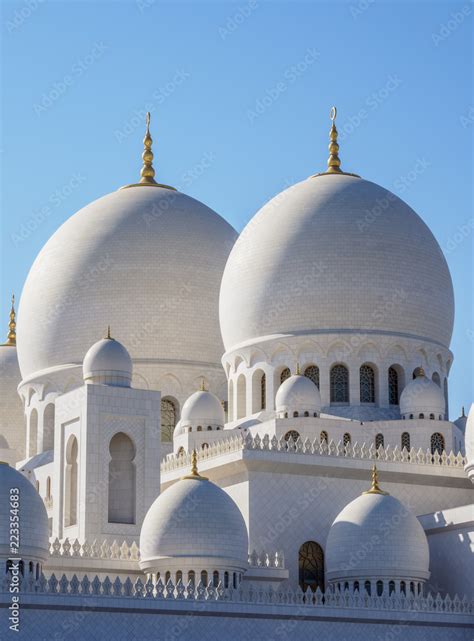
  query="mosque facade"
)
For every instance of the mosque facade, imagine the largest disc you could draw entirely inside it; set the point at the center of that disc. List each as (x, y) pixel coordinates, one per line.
(267, 453)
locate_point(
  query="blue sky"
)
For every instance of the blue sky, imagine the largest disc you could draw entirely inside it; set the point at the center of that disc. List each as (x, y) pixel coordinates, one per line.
(239, 94)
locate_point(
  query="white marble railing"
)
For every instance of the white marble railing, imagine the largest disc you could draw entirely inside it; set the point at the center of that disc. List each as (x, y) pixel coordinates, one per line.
(95, 550)
(139, 589)
(316, 448)
(126, 552)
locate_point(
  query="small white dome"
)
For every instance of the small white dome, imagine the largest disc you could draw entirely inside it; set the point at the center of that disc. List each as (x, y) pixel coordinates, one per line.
(469, 444)
(376, 537)
(108, 363)
(202, 408)
(12, 420)
(33, 526)
(298, 394)
(193, 524)
(422, 396)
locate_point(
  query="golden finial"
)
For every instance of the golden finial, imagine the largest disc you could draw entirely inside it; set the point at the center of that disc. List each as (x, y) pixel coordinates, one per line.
(297, 369)
(109, 336)
(375, 489)
(147, 172)
(421, 372)
(11, 336)
(203, 387)
(334, 162)
(194, 469)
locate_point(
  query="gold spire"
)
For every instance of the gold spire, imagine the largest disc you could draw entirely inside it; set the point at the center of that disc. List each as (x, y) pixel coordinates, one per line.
(334, 162)
(421, 372)
(194, 469)
(11, 336)
(147, 172)
(297, 369)
(203, 387)
(109, 336)
(375, 489)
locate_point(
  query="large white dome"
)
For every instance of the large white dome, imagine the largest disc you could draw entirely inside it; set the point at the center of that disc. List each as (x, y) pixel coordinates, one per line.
(329, 255)
(33, 524)
(146, 260)
(193, 522)
(376, 537)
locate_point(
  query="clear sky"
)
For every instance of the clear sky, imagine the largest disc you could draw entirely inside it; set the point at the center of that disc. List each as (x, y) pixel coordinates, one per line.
(239, 95)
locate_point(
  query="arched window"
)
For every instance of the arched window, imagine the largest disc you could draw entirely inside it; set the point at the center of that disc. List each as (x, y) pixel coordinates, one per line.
(391, 587)
(48, 427)
(367, 384)
(406, 441)
(293, 434)
(437, 443)
(421, 415)
(205, 446)
(241, 393)
(121, 479)
(312, 372)
(368, 587)
(436, 379)
(379, 588)
(33, 440)
(295, 414)
(311, 566)
(168, 419)
(48, 487)
(191, 577)
(215, 578)
(393, 387)
(259, 391)
(199, 428)
(346, 439)
(70, 478)
(179, 576)
(323, 437)
(285, 374)
(339, 384)
(204, 577)
(432, 417)
(379, 441)
(226, 579)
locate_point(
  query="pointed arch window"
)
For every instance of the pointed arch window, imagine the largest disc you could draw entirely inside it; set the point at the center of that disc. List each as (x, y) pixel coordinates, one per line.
(437, 443)
(121, 500)
(339, 378)
(405, 441)
(286, 373)
(312, 372)
(311, 566)
(379, 441)
(323, 437)
(367, 384)
(393, 388)
(346, 439)
(168, 419)
(263, 391)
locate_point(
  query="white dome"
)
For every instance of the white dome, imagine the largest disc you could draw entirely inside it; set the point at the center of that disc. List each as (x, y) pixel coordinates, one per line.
(146, 260)
(324, 255)
(202, 408)
(469, 443)
(298, 394)
(422, 396)
(361, 545)
(33, 526)
(11, 408)
(193, 521)
(108, 362)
